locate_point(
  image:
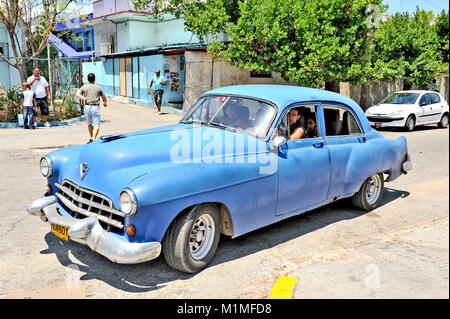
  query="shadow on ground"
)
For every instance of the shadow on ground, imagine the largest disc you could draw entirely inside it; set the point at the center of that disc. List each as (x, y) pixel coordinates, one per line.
(155, 274)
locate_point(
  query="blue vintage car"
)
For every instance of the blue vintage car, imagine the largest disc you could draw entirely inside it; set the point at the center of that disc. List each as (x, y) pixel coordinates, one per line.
(242, 157)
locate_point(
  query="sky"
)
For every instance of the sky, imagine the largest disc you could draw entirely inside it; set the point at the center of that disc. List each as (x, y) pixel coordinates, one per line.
(410, 5)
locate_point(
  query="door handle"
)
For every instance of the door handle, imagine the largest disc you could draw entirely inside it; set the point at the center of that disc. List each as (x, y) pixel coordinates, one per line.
(318, 145)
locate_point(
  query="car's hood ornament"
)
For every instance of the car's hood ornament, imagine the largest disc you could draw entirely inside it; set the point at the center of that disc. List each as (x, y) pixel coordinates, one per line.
(83, 170)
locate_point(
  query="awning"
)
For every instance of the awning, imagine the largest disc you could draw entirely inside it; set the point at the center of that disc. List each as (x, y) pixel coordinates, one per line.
(66, 50)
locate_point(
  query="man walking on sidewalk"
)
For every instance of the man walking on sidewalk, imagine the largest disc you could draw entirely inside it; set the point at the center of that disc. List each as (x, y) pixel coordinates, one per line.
(91, 94)
(39, 86)
(159, 81)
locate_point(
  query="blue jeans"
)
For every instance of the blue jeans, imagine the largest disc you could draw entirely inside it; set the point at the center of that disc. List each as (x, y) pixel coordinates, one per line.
(28, 114)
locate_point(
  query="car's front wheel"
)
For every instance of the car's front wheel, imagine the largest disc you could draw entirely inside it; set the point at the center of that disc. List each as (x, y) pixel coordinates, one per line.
(410, 123)
(370, 194)
(443, 123)
(191, 240)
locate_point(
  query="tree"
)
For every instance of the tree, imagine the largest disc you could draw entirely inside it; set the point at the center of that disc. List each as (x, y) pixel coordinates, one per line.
(442, 29)
(28, 24)
(407, 45)
(308, 42)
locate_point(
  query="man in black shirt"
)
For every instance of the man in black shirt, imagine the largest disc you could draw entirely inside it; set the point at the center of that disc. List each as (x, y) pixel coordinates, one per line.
(295, 127)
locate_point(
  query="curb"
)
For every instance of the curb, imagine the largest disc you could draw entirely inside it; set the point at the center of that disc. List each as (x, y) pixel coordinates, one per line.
(151, 105)
(62, 123)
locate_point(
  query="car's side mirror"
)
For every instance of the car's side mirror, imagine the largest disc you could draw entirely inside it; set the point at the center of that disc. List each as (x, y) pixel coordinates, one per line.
(277, 142)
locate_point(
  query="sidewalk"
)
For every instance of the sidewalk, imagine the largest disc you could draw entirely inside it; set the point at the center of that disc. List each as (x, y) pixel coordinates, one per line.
(117, 117)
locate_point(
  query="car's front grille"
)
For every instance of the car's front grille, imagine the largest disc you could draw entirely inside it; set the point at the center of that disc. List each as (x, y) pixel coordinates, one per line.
(81, 203)
(383, 119)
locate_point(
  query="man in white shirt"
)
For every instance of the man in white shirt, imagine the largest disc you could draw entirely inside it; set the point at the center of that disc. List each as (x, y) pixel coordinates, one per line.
(39, 86)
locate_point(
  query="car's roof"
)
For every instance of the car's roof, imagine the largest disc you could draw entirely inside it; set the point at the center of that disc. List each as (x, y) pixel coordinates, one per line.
(282, 95)
(285, 95)
(416, 91)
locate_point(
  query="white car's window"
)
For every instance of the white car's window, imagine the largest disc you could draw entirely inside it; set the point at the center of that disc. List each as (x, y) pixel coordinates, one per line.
(435, 98)
(401, 98)
(425, 99)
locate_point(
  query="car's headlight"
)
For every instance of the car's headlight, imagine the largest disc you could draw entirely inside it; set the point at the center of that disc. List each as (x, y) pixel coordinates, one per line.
(368, 112)
(46, 166)
(127, 201)
(396, 113)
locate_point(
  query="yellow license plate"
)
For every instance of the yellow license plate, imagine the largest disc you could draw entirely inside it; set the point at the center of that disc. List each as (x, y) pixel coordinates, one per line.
(60, 231)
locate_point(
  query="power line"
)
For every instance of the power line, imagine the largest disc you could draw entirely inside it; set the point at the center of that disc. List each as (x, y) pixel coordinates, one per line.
(433, 4)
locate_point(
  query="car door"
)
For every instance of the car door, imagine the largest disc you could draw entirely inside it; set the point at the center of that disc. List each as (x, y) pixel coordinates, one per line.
(437, 107)
(426, 115)
(303, 173)
(343, 134)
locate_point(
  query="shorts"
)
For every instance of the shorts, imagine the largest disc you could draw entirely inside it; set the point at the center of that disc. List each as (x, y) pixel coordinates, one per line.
(92, 113)
(42, 104)
(158, 96)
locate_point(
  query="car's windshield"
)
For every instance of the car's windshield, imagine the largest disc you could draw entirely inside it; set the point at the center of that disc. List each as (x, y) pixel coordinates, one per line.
(401, 98)
(240, 114)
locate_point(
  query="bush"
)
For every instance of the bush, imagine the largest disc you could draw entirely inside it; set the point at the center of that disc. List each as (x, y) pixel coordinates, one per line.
(11, 101)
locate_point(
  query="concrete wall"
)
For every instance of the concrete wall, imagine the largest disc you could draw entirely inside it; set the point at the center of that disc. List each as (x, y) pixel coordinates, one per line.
(373, 92)
(369, 93)
(444, 89)
(202, 74)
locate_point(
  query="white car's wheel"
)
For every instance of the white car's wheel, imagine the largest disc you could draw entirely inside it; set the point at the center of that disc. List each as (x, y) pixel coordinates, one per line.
(443, 123)
(410, 123)
(191, 240)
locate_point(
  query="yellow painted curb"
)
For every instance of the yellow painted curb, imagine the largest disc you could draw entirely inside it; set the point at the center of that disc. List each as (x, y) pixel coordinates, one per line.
(283, 288)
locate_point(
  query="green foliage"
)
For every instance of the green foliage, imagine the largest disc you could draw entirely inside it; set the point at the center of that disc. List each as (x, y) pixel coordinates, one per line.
(310, 42)
(69, 108)
(407, 45)
(10, 99)
(442, 29)
(307, 42)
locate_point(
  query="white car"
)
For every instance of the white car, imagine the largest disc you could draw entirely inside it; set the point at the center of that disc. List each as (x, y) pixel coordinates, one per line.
(408, 109)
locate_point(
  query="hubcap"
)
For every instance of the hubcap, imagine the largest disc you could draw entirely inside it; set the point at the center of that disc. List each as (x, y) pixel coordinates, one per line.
(373, 189)
(444, 121)
(201, 237)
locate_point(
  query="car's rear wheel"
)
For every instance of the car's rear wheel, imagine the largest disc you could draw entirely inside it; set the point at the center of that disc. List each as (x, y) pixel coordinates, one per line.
(410, 123)
(443, 123)
(370, 194)
(191, 241)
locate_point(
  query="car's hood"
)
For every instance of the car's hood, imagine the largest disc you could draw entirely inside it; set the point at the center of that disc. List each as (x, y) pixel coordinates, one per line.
(386, 109)
(113, 162)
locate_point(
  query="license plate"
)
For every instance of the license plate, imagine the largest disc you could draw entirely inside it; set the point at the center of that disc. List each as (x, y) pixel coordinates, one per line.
(60, 231)
(378, 124)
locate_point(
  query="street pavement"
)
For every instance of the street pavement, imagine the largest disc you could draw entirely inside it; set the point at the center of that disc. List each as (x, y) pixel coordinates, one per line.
(398, 250)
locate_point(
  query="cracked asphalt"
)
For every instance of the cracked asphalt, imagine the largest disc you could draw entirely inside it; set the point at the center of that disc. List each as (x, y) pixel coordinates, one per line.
(399, 250)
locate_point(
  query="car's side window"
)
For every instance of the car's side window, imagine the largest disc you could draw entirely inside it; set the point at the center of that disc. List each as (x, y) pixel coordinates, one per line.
(299, 122)
(425, 99)
(435, 98)
(339, 121)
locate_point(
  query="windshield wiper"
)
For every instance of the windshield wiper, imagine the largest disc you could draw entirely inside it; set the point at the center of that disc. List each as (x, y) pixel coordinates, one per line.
(193, 121)
(222, 126)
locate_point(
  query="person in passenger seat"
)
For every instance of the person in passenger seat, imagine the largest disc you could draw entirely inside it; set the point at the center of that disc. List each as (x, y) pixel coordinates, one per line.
(311, 127)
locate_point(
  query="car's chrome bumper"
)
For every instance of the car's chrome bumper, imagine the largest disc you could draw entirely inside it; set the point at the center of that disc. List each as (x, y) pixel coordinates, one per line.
(407, 165)
(88, 232)
(387, 122)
